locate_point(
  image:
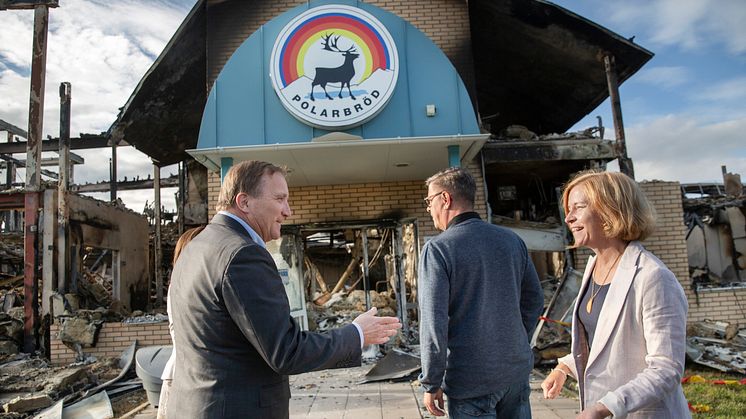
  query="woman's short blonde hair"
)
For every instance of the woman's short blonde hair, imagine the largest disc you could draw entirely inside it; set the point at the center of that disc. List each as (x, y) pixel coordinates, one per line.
(618, 200)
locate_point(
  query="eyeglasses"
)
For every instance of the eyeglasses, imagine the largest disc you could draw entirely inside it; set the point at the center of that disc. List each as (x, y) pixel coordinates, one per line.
(429, 199)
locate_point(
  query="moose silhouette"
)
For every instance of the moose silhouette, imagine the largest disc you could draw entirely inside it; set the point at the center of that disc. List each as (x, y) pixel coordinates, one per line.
(342, 74)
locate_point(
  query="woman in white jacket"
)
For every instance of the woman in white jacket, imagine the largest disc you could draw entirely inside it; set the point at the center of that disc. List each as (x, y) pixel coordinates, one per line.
(629, 320)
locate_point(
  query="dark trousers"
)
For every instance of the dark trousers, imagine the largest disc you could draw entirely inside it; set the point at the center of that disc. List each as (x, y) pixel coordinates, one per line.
(510, 403)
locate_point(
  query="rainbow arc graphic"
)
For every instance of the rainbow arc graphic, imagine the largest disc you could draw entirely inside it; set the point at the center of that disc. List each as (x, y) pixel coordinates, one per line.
(306, 38)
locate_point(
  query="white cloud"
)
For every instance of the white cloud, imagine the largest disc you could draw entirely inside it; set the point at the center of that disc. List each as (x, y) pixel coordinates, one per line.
(15, 38)
(136, 200)
(689, 24)
(665, 77)
(716, 102)
(683, 148)
(102, 48)
(733, 90)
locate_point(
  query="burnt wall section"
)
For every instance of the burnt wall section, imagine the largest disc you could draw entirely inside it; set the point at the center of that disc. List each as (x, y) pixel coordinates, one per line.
(98, 224)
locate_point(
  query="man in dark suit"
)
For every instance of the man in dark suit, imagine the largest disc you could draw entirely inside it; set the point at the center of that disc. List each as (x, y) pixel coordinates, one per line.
(235, 341)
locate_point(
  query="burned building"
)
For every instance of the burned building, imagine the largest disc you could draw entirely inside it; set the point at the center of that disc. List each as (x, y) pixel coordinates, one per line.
(485, 85)
(488, 85)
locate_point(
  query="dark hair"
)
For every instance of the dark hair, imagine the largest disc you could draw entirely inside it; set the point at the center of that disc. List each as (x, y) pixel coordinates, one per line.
(618, 200)
(244, 177)
(458, 182)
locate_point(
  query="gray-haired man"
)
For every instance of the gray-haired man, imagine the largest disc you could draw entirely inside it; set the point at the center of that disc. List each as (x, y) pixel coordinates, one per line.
(480, 299)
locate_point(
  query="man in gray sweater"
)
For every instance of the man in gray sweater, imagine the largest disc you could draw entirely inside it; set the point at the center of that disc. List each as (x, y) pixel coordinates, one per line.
(480, 299)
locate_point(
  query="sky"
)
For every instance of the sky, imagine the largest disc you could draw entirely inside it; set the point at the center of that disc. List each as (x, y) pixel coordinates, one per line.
(684, 111)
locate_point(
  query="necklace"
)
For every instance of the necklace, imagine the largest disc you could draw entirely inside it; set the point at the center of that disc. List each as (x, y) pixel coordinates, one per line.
(589, 305)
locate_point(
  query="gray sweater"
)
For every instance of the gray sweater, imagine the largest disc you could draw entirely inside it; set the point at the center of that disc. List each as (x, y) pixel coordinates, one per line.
(480, 299)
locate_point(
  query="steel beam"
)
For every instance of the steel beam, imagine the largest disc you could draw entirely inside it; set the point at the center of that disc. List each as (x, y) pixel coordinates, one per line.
(625, 163)
(82, 143)
(33, 178)
(63, 244)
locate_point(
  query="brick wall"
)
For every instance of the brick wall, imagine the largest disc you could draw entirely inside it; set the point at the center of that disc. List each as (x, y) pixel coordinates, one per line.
(364, 201)
(727, 305)
(445, 22)
(113, 338)
(668, 242)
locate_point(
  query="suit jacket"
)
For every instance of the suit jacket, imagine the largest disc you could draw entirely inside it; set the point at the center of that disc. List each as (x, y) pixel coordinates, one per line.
(237, 342)
(636, 360)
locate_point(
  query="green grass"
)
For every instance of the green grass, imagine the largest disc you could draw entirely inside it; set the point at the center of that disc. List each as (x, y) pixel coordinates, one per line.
(725, 401)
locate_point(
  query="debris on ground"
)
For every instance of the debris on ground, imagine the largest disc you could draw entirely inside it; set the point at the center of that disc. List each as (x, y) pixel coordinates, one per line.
(717, 345)
(29, 385)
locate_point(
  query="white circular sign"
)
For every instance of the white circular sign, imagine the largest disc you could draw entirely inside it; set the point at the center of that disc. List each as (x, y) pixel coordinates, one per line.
(334, 67)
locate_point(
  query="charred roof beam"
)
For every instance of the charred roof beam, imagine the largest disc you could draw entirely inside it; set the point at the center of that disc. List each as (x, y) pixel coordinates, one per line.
(168, 182)
(26, 4)
(84, 142)
(526, 151)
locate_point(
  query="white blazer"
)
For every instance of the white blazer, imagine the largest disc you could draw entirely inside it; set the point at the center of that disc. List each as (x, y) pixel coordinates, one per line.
(637, 355)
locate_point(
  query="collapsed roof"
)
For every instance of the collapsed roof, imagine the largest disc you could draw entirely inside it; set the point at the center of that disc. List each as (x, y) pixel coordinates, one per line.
(536, 64)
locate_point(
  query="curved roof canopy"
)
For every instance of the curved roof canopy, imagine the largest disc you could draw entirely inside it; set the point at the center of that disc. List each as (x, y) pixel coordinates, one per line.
(535, 63)
(245, 118)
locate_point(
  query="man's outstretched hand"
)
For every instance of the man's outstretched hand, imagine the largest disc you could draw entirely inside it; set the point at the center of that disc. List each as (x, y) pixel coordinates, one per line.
(377, 330)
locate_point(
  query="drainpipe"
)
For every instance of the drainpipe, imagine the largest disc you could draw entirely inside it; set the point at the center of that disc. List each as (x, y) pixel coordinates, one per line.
(33, 180)
(625, 163)
(454, 157)
(225, 165)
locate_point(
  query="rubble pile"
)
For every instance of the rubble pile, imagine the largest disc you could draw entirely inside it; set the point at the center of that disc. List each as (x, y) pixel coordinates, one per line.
(11, 248)
(11, 292)
(28, 384)
(343, 307)
(718, 345)
(11, 330)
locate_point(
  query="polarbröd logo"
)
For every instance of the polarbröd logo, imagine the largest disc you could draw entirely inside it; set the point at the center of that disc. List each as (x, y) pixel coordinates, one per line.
(334, 66)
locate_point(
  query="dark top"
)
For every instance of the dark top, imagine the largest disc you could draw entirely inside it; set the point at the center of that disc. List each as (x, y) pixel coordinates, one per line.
(590, 321)
(237, 342)
(480, 299)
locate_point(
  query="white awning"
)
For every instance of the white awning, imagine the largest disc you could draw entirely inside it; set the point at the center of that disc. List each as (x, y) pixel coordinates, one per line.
(339, 158)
